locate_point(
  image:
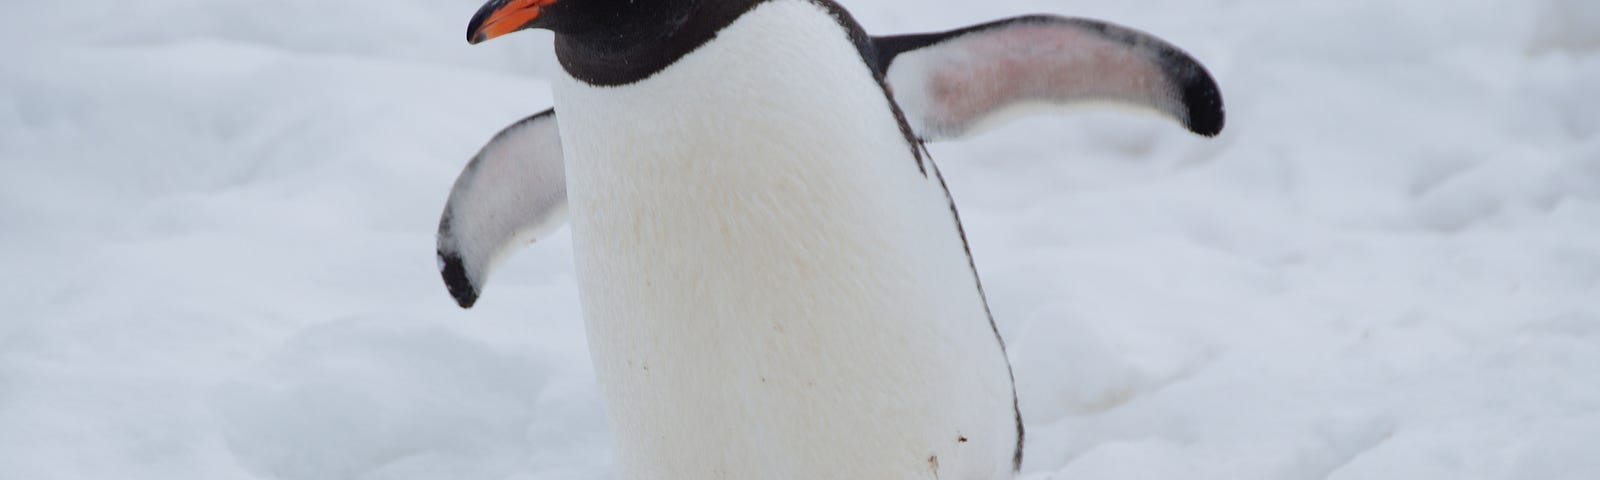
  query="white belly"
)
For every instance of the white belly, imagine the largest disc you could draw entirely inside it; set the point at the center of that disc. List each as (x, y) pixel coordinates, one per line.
(772, 288)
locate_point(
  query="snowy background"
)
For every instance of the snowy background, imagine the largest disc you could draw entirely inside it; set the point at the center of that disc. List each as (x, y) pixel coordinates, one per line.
(217, 217)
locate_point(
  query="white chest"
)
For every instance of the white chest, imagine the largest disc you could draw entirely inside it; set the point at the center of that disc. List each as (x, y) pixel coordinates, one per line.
(772, 287)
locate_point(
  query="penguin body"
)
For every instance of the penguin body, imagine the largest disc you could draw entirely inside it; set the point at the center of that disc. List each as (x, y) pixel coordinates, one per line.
(770, 282)
(774, 278)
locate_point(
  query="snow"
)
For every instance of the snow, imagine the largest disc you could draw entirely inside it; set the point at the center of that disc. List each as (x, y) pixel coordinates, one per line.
(218, 220)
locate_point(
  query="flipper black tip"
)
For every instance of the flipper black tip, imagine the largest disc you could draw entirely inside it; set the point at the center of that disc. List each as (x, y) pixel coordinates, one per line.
(1204, 102)
(455, 279)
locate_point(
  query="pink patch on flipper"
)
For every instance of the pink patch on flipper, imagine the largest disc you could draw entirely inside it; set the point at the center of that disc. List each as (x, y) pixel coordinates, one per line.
(1052, 63)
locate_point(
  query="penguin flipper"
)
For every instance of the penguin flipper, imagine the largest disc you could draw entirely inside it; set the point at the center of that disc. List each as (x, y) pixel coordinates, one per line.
(512, 193)
(953, 83)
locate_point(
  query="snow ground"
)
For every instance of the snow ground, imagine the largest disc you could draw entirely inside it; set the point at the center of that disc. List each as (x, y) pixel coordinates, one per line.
(217, 223)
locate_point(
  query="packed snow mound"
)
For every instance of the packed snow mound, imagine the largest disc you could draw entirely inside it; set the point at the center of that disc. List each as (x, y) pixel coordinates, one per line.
(356, 397)
(218, 221)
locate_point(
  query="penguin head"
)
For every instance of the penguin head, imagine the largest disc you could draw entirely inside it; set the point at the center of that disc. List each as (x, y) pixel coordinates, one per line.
(605, 18)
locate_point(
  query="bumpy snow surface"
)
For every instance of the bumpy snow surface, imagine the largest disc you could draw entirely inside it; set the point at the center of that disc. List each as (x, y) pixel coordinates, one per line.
(217, 217)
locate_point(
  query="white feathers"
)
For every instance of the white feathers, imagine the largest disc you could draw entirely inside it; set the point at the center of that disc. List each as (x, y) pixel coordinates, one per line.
(771, 285)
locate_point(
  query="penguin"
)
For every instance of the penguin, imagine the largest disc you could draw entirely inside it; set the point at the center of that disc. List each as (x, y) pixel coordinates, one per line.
(774, 280)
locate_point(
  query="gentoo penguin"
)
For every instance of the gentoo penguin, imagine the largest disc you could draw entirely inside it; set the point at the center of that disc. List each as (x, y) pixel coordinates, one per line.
(774, 279)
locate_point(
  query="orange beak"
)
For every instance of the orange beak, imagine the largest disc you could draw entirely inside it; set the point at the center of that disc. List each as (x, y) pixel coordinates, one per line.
(499, 17)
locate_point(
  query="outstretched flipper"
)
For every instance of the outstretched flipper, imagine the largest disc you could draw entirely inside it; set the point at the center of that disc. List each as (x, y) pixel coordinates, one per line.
(953, 83)
(512, 193)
